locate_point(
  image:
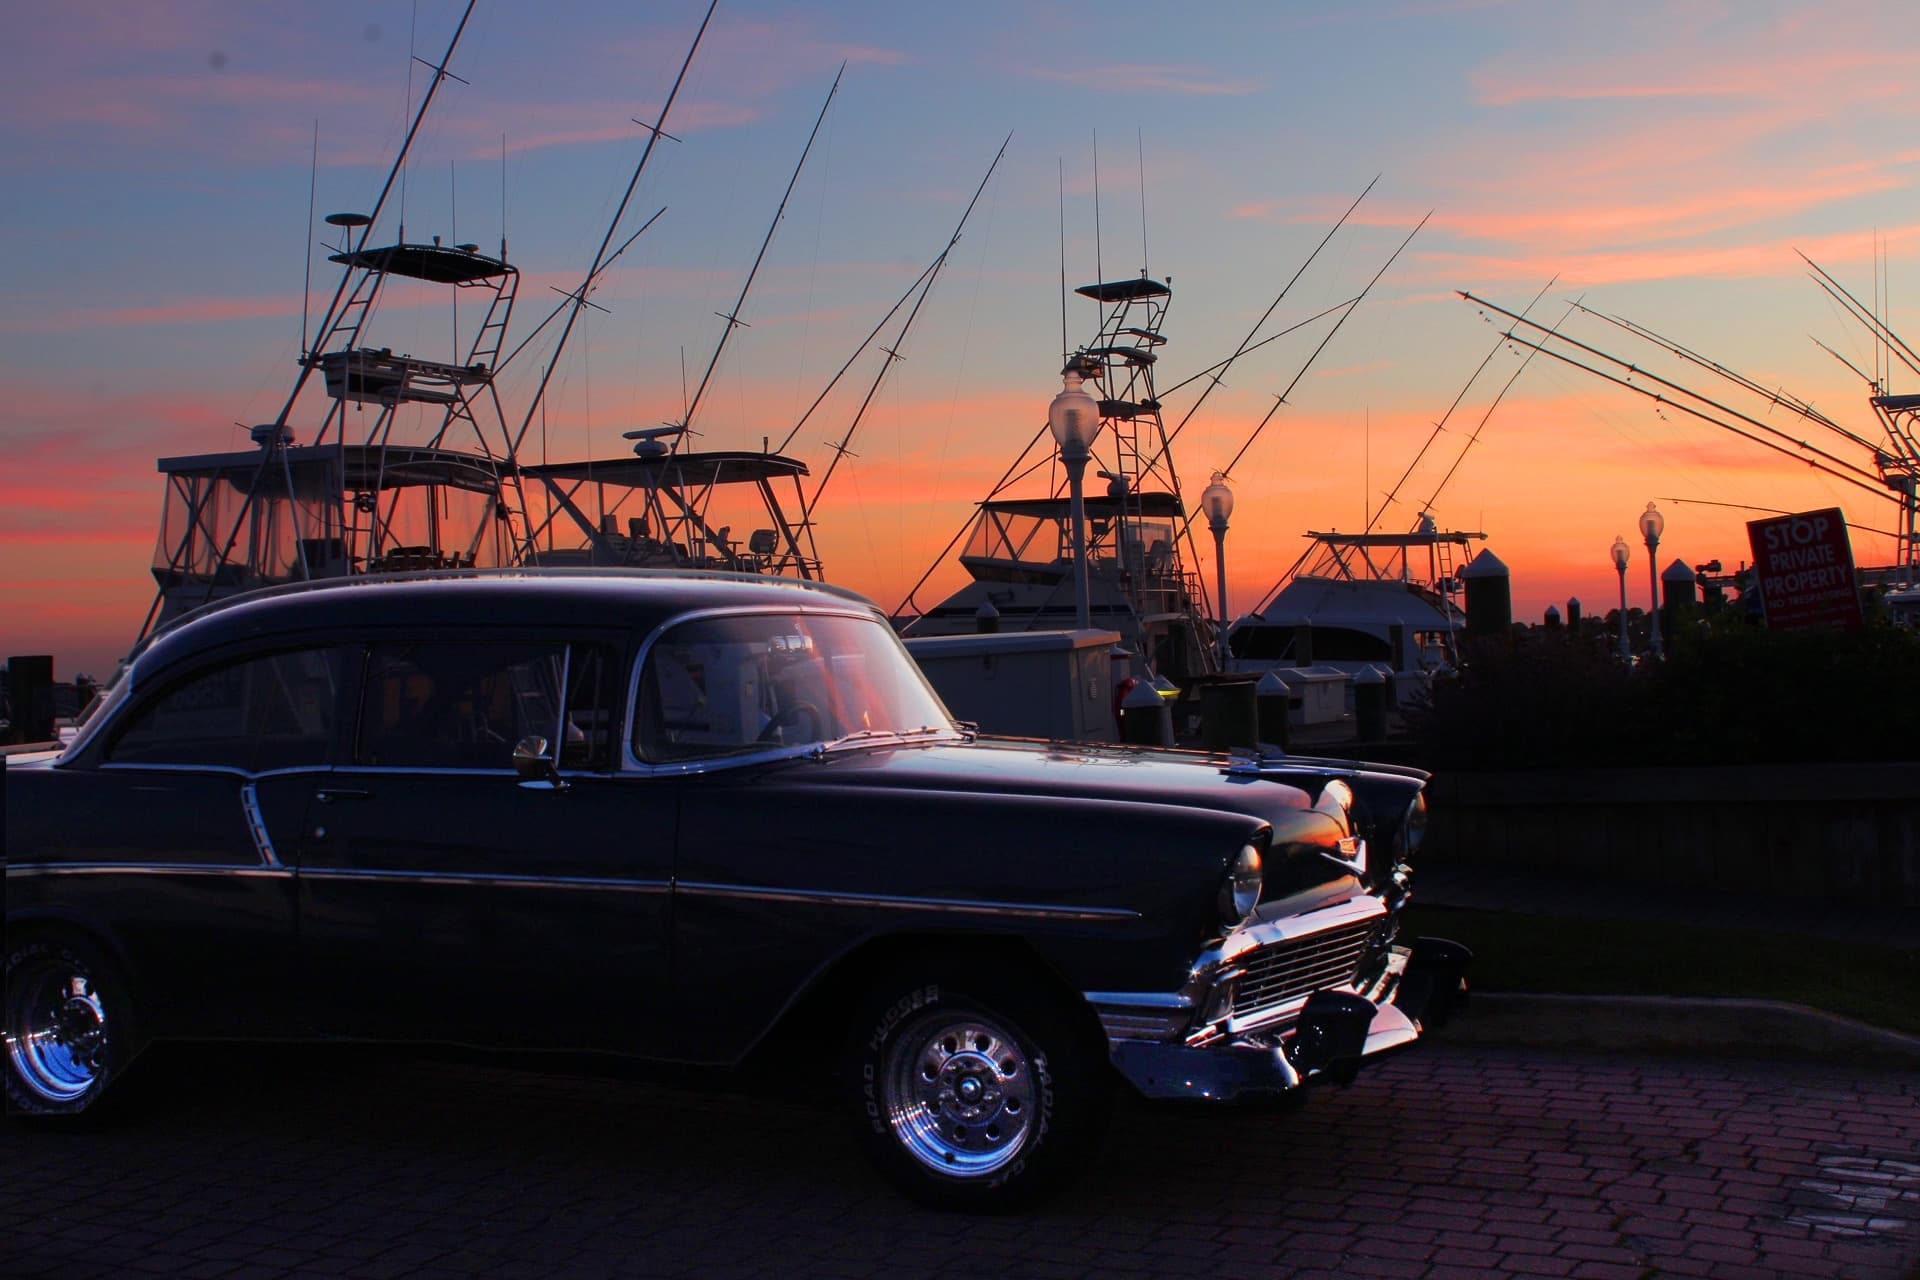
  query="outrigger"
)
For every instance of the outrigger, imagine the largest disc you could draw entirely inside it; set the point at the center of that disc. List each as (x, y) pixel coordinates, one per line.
(430, 482)
(1019, 550)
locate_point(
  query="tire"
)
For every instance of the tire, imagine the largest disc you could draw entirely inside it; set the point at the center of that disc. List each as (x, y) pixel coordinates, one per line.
(69, 1028)
(974, 1095)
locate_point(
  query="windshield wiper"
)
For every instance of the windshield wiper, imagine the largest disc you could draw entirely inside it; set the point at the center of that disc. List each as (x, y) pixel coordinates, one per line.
(859, 736)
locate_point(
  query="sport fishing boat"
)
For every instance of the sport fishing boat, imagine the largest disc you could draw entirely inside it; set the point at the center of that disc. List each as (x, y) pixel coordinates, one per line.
(409, 464)
(1018, 550)
(1355, 601)
(664, 509)
(412, 461)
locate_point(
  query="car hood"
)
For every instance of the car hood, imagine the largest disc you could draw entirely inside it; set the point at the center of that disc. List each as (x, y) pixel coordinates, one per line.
(1069, 771)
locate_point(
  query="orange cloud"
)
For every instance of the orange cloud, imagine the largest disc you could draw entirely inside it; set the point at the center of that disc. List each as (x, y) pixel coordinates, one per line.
(1764, 73)
(1577, 269)
(1694, 214)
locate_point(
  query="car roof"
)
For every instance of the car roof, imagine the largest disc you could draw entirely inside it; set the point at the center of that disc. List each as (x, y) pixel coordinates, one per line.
(632, 599)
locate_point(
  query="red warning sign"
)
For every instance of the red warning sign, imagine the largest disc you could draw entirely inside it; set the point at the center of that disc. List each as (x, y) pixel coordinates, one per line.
(1804, 564)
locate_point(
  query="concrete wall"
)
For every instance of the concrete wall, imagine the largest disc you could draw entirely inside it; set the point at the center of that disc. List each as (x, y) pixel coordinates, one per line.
(1819, 831)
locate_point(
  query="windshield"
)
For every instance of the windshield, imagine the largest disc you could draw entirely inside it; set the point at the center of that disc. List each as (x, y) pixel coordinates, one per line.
(740, 683)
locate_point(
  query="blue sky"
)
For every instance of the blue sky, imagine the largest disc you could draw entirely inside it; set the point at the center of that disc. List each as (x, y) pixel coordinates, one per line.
(1658, 161)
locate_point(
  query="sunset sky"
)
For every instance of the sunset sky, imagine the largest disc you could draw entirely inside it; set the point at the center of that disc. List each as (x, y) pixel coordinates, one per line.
(1659, 162)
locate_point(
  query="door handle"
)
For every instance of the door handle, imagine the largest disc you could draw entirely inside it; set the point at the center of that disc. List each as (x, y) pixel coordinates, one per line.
(328, 795)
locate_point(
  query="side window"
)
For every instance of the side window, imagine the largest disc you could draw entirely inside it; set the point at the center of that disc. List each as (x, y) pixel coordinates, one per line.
(271, 712)
(718, 686)
(463, 705)
(588, 737)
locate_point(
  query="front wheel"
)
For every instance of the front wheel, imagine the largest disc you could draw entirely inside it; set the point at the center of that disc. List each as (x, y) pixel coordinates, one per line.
(69, 1028)
(975, 1096)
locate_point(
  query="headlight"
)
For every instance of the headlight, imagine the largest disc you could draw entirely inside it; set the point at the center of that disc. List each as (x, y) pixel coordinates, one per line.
(1241, 892)
(1413, 828)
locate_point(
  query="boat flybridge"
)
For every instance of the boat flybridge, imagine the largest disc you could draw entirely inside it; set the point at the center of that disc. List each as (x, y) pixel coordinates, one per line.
(1359, 600)
(1018, 551)
(663, 508)
(400, 474)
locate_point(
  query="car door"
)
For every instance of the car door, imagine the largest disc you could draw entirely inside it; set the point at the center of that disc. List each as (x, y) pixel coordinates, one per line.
(177, 821)
(443, 897)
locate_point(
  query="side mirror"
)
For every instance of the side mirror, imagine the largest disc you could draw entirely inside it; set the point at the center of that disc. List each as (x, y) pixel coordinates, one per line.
(535, 766)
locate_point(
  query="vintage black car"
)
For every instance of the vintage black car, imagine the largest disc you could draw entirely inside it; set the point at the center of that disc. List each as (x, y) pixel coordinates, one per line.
(692, 819)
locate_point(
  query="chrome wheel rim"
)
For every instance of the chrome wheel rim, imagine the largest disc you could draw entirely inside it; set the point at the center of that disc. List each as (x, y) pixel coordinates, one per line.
(56, 1030)
(960, 1094)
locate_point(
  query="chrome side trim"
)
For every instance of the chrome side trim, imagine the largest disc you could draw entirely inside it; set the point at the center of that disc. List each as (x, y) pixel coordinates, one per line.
(163, 766)
(257, 825)
(488, 881)
(894, 902)
(501, 881)
(146, 869)
(1141, 999)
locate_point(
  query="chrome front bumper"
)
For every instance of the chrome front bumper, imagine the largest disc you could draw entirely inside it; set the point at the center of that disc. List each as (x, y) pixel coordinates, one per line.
(1169, 1047)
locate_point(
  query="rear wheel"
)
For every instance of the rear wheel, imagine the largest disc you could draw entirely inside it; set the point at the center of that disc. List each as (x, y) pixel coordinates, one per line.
(69, 1027)
(975, 1094)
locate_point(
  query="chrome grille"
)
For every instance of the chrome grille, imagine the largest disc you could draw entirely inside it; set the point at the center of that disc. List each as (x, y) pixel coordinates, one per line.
(1290, 970)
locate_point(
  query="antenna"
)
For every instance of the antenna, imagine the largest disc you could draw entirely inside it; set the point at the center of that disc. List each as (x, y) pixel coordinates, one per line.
(1099, 273)
(453, 232)
(1878, 344)
(313, 191)
(503, 196)
(600, 257)
(353, 243)
(413, 24)
(1140, 143)
(1061, 161)
(732, 317)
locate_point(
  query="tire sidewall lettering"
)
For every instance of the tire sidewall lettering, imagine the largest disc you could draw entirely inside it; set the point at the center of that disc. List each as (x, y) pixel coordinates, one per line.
(897, 1012)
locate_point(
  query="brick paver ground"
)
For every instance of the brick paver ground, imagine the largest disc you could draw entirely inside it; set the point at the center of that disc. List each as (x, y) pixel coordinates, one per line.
(1448, 1164)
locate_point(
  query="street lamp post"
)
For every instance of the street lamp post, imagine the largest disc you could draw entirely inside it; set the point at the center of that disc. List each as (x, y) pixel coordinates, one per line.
(1074, 419)
(1621, 553)
(1217, 501)
(1651, 525)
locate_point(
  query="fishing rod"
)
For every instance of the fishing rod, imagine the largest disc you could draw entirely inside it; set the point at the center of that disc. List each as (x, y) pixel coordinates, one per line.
(858, 351)
(1221, 365)
(1837, 474)
(1873, 322)
(1481, 425)
(1832, 460)
(1874, 327)
(307, 361)
(1774, 511)
(732, 317)
(1014, 472)
(1345, 315)
(931, 274)
(1777, 396)
(1247, 344)
(328, 317)
(1392, 495)
(655, 132)
(567, 297)
(1186, 527)
(1901, 439)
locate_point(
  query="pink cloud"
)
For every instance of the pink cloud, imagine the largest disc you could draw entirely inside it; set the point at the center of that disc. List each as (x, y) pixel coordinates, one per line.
(1577, 269)
(193, 311)
(1761, 74)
